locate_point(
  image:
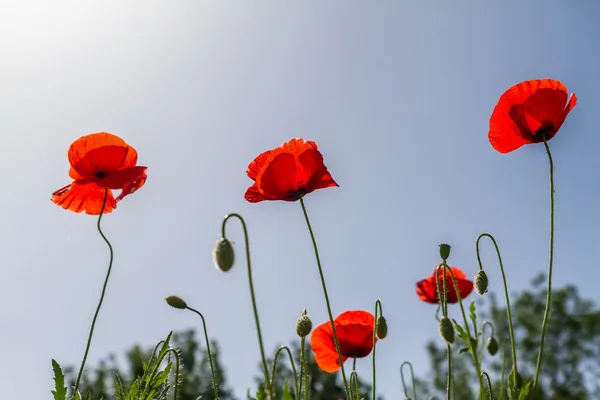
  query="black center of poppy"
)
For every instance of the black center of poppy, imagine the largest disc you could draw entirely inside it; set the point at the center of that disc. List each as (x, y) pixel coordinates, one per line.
(100, 174)
(545, 130)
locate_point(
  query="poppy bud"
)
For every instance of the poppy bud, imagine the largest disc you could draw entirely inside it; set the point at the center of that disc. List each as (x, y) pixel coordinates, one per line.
(444, 251)
(480, 282)
(303, 325)
(381, 328)
(492, 346)
(446, 330)
(176, 302)
(224, 255)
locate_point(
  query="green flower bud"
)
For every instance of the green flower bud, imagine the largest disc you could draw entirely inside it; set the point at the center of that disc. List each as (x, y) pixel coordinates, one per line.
(446, 330)
(480, 282)
(381, 328)
(492, 346)
(176, 302)
(224, 255)
(444, 251)
(303, 325)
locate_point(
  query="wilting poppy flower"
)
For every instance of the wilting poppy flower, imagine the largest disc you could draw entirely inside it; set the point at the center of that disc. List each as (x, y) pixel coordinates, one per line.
(427, 288)
(99, 162)
(527, 111)
(288, 172)
(355, 335)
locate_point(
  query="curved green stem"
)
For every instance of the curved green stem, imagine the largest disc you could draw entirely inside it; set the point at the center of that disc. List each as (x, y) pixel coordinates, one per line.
(335, 337)
(412, 377)
(210, 359)
(485, 323)
(490, 392)
(378, 313)
(462, 309)
(354, 383)
(538, 367)
(255, 309)
(508, 309)
(287, 349)
(89, 341)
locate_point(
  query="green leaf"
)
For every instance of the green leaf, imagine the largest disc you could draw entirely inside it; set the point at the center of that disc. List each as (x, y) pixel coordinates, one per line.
(472, 309)
(461, 333)
(286, 391)
(260, 393)
(463, 350)
(60, 392)
(526, 392)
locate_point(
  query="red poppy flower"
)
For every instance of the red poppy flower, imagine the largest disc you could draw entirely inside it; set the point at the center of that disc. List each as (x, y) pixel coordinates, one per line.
(99, 161)
(528, 110)
(288, 172)
(427, 288)
(355, 335)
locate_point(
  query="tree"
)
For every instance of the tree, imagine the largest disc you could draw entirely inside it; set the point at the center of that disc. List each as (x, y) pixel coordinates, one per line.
(194, 373)
(571, 363)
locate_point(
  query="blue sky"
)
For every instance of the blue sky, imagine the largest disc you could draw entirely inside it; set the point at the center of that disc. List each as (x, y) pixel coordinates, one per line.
(397, 94)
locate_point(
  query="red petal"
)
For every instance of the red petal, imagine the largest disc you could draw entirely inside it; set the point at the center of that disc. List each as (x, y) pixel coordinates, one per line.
(84, 197)
(253, 195)
(257, 164)
(355, 333)
(525, 108)
(124, 177)
(323, 347)
(426, 291)
(100, 152)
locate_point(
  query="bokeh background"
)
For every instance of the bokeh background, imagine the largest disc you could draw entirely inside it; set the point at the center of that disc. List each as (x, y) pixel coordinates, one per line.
(397, 94)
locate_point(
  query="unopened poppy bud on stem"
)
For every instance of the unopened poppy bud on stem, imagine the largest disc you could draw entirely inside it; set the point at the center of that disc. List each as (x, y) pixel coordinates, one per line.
(381, 328)
(176, 302)
(446, 330)
(480, 282)
(303, 325)
(444, 251)
(492, 346)
(224, 255)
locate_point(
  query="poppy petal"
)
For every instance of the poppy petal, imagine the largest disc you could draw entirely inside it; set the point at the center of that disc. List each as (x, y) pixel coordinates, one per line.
(355, 333)
(253, 195)
(572, 103)
(525, 109)
(278, 179)
(84, 197)
(133, 185)
(257, 165)
(426, 291)
(314, 173)
(121, 178)
(100, 152)
(323, 348)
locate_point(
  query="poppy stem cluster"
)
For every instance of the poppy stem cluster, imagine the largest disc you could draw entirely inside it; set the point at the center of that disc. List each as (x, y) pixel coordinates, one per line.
(506, 294)
(292, 364)
(335, 336)
(110, 263)
(268, 382)
(179, 303)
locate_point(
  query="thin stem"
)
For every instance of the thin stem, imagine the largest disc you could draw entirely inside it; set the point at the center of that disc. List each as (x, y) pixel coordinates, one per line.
(490, 392)
(485, 323)
(89, 341)
(210, 359)
(378, 313)
(412, 376)
(255, 309)
(502, 372)
(508, 309)
(293, 368)
(550, 264)
(303, 369)
(335, 337)
(449, 380)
